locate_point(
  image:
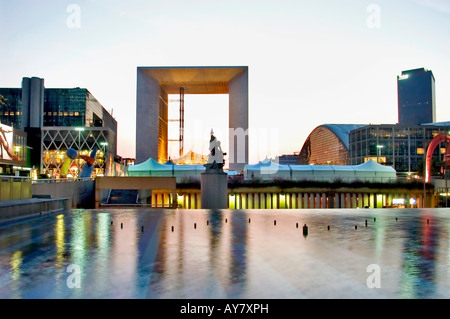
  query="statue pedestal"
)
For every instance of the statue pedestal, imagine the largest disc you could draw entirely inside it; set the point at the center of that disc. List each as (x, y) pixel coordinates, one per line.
(214, 190)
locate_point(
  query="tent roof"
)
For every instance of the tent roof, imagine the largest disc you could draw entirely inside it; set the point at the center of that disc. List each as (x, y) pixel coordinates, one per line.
(267, 163)
(370, 165)
(150, 165)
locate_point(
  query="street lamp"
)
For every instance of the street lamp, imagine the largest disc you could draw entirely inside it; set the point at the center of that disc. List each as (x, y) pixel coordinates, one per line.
(104, 144)
(379, 147)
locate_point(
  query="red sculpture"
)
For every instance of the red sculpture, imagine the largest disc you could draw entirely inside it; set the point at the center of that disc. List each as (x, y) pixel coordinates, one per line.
(434, 143)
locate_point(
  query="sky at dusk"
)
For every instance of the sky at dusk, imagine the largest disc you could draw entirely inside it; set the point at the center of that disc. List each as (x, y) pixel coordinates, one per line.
(310, 62)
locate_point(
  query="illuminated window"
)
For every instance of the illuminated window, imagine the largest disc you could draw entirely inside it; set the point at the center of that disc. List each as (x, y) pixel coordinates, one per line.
(70, 113)
(11, 113)
(442, 150)
(55, 113)
(77, 113)
(17, 113)
(420, 151)
(66, 113)
(60, 113)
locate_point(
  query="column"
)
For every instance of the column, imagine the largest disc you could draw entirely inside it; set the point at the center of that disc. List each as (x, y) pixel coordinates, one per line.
(256, 200)
(238, 121)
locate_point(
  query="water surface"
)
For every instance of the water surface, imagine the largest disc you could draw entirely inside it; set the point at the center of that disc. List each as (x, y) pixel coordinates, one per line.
(153, 253)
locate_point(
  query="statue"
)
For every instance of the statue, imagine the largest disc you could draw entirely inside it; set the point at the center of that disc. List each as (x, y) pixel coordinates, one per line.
(215, 158)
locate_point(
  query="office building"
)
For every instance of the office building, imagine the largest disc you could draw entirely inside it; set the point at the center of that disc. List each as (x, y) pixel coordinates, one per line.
(14, 155)
(416, 97)
(55, 119)
(401, 146)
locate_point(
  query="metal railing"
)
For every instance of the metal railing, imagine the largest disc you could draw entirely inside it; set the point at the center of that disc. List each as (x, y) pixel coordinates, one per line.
(59, 180)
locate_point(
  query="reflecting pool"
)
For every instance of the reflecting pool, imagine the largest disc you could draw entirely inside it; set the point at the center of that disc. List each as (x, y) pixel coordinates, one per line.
(160, 253)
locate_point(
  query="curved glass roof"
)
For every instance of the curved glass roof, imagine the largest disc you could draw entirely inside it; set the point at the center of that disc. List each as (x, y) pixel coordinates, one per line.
(342, 131)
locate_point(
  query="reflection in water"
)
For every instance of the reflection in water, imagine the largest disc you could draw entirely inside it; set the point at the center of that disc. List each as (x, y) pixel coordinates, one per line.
(238, 263)
(151, 253)
(380, 234)
(16, 262)
(59, 240)
(419, 258)
(124, 255)
(78, 247)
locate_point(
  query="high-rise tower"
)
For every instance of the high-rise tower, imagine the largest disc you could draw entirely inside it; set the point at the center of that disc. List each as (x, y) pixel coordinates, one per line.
(416, 97)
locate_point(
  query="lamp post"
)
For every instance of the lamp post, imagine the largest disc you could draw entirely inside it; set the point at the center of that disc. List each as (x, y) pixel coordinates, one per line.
(104, 144)
(379, 147)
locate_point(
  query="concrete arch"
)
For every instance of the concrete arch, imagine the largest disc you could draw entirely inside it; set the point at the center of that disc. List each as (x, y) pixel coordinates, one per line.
(155, 83)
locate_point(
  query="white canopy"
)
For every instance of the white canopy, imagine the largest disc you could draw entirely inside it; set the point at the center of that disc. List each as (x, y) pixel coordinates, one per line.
(152, 168)
(269, 170)
(369, 171)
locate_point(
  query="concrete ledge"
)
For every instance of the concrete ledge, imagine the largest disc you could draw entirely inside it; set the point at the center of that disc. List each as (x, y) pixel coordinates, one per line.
(81, 192)
(13, 209)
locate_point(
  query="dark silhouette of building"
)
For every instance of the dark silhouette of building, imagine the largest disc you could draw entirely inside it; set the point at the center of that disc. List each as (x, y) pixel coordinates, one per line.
(416, 97)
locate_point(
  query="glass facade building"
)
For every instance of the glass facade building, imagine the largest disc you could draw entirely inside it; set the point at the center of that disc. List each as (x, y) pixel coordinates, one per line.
(401, 146)
(416, 97)
(13, 141)
(72, 107)
(327, 144)
(11, 107)
(55, 119)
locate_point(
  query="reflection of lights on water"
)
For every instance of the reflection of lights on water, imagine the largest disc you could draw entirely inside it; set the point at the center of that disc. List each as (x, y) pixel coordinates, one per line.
(59, 240)
(16, 262)
(103, 232)
(79, 241)
(224, 252)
